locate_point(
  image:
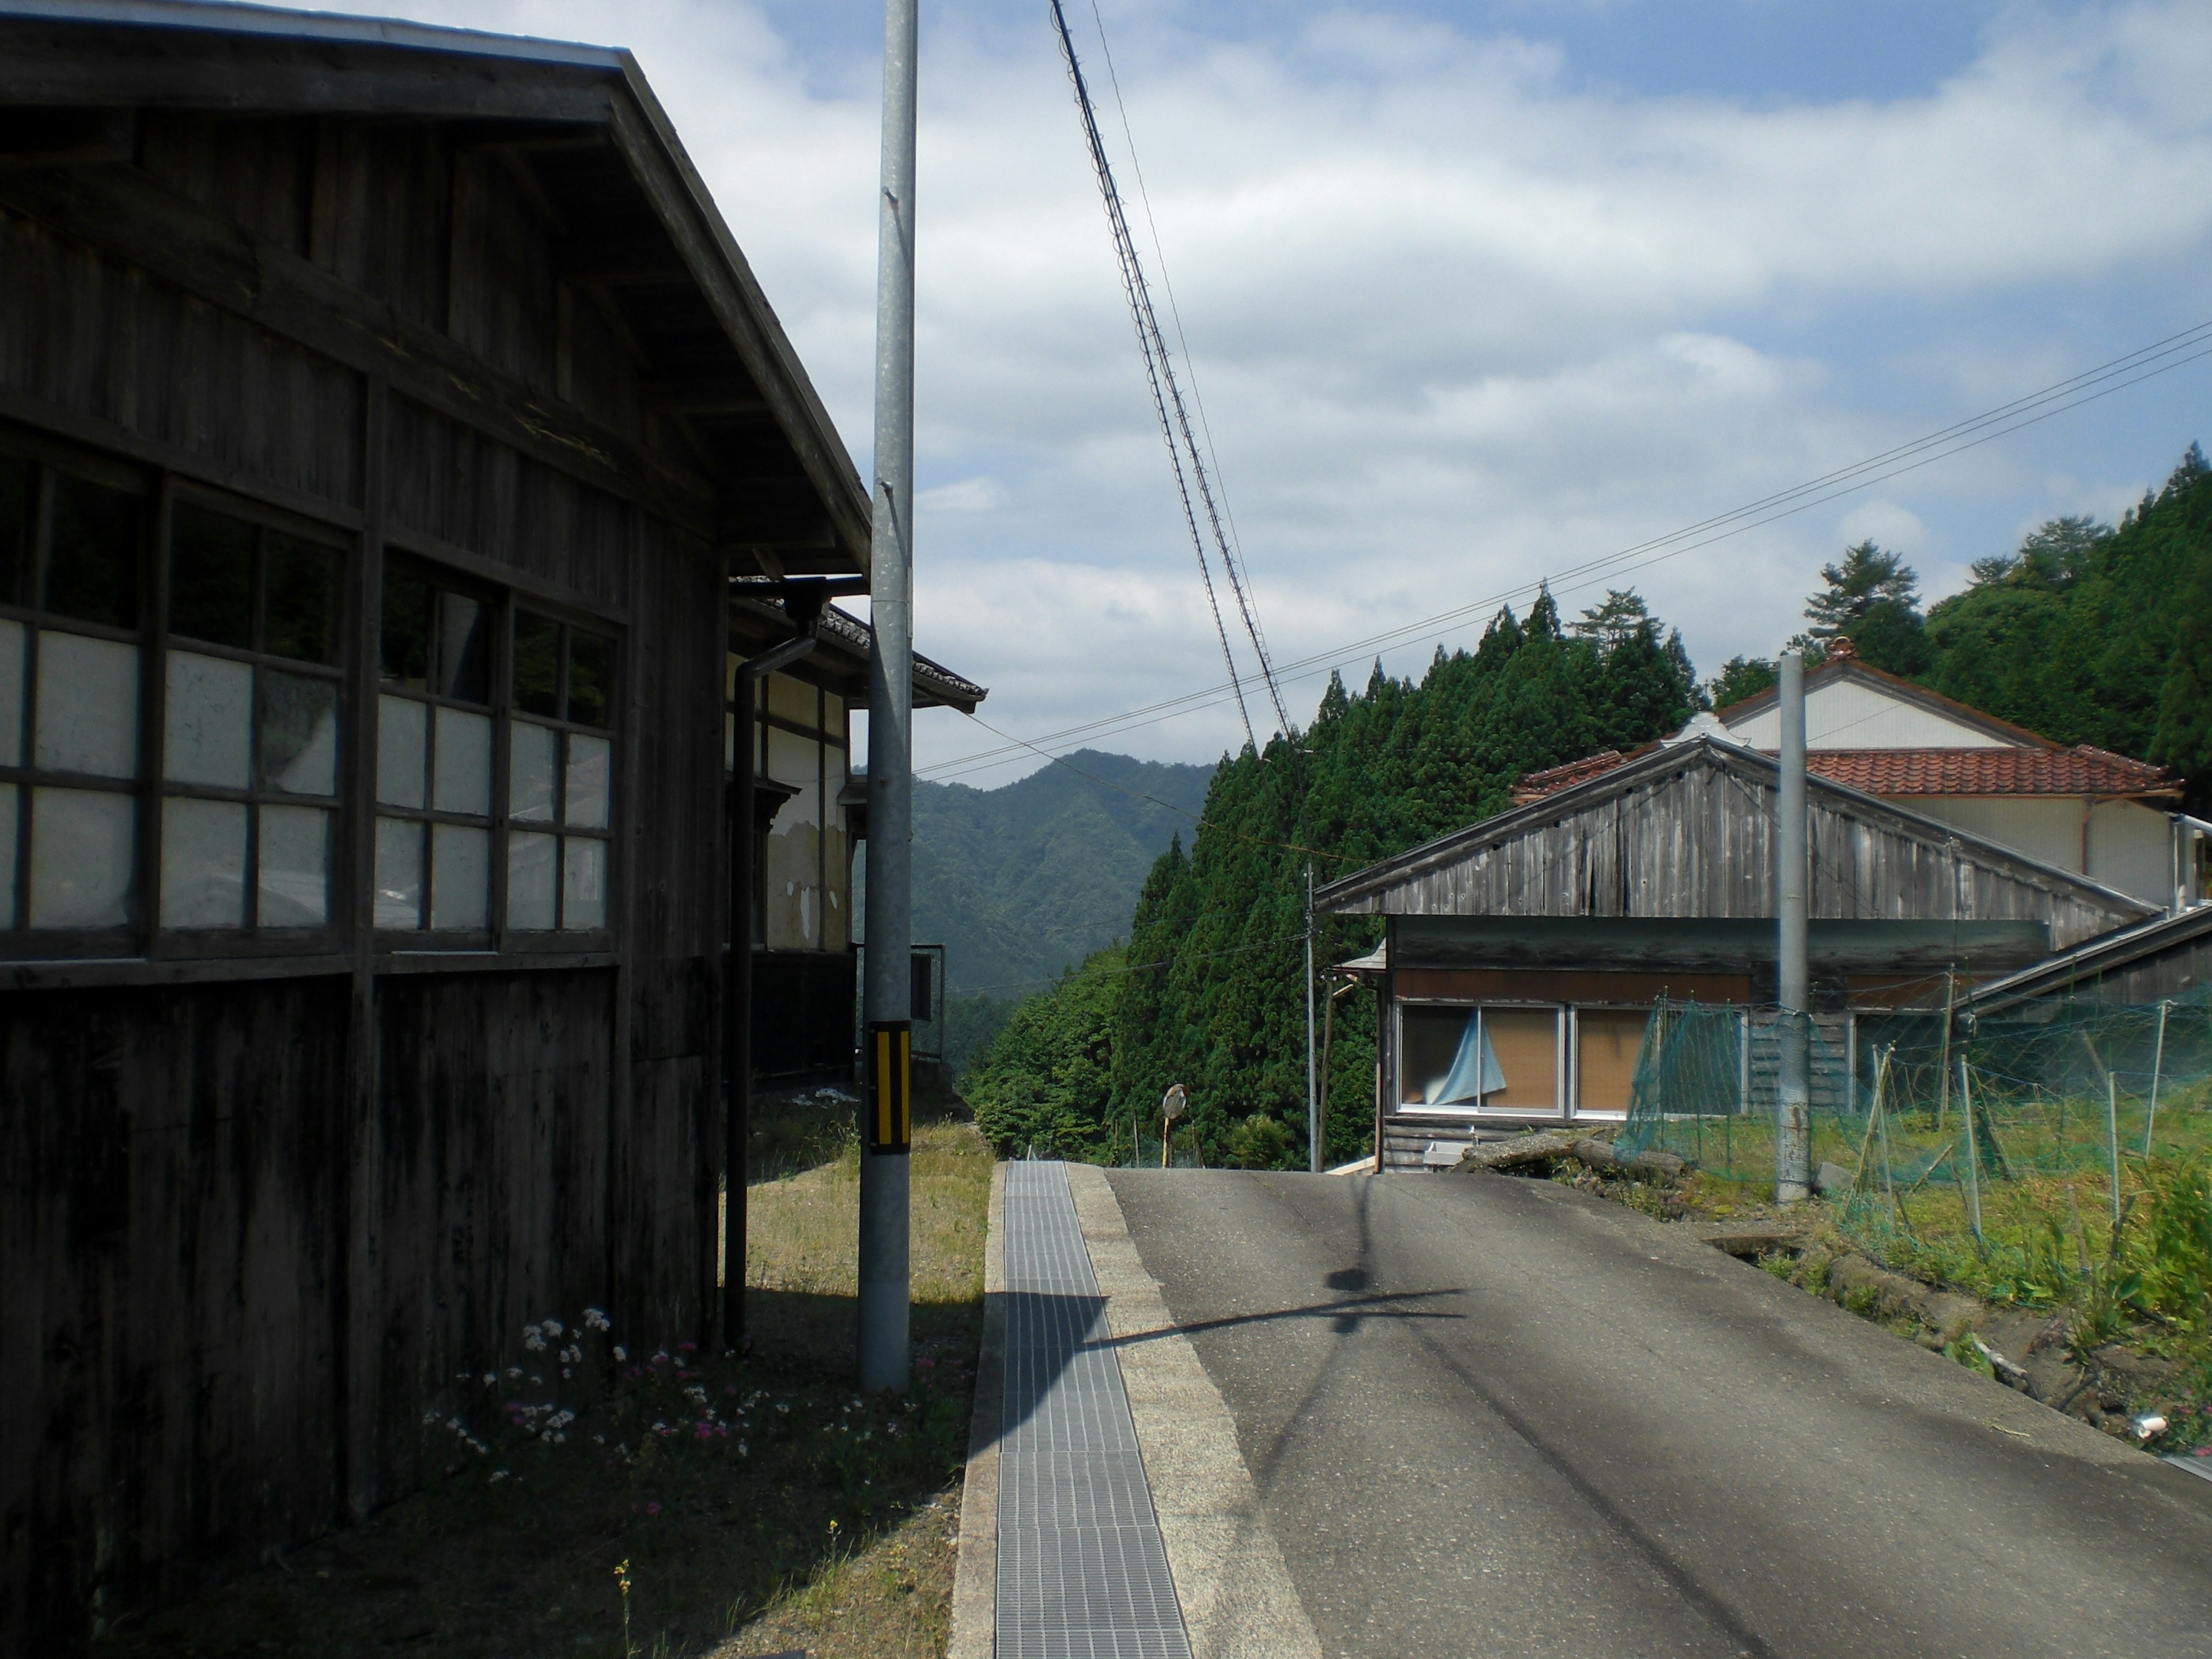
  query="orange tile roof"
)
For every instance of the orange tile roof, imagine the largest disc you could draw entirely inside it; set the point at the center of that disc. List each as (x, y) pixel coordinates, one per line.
(2080, 770)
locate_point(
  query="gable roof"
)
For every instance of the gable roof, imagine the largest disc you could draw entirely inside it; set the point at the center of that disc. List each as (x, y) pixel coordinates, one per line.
(1844, 667)
(586, 135)
(2098, 957)
(2082, 770)
(1685, 831)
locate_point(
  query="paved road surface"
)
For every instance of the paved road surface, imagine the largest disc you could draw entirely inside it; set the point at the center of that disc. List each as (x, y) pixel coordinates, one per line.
(1495, 1417)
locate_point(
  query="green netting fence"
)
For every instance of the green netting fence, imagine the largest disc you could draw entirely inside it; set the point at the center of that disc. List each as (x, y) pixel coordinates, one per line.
(2030, 1132)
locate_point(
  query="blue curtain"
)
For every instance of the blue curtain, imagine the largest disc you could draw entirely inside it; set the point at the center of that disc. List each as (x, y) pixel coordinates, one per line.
(1474, 1069)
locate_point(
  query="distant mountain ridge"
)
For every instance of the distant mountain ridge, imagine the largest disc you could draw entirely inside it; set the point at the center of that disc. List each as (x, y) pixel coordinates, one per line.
(1021, 882)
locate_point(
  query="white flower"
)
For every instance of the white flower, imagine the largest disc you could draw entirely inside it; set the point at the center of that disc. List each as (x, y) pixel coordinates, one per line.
(596, 1320)
(621, 1353)
(552, 1327)
(513, 1373)
(489, 1378)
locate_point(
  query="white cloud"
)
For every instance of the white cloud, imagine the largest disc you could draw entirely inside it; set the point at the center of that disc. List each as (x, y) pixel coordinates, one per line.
(1458, 322)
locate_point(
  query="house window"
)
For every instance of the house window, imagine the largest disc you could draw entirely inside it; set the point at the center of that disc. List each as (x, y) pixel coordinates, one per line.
(70, 698)
(1461, 1059)
(250, 698)
(560, 765)
(493, 762)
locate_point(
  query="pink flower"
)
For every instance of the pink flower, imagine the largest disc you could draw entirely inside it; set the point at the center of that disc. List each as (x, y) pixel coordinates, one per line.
(653, 1508)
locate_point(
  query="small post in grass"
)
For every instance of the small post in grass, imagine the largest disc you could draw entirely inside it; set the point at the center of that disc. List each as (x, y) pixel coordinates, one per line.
(2157, 1068)
(2112, 1140)
(1973, 1158)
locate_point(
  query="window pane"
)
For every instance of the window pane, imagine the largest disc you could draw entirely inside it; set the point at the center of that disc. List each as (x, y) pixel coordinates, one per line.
(88, 705)
(202, 863)
(584, 884)
(10, 795)
(296, 862)
(398, 873)
(18, 485)
(530, 773)
(208, 726)
(590, 676)
(303, 599)
(299, 734)
(403, 747)
(460, 877)
(464, 648)
(530, 871)
(81, 852)
(537, 665)
(588, 759)
(11, 693)
(210, 576)
(462, 782)
(92, 561)
(406, 641)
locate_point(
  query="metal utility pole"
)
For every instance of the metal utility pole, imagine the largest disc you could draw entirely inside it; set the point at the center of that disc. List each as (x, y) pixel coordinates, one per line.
(1315, 1161)
(888, 1002)
(1793, 1140)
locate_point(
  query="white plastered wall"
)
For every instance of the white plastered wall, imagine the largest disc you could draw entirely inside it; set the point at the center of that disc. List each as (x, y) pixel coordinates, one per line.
(1846, 714)
(2128, 845)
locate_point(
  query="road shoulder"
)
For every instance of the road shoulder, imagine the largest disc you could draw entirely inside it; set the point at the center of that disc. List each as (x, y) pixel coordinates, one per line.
(1237, 1599)
(975, 1577)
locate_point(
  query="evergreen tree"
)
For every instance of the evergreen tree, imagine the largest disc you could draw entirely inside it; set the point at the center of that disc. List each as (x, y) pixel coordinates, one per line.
(1872, 599)
(1739, 678)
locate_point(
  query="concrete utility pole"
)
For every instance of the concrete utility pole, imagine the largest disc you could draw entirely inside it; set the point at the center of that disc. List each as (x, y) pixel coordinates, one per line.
(888, 1003)
(1315, 1161)
(1793, 1140)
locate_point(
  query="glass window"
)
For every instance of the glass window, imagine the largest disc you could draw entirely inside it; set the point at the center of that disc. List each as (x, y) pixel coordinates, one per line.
(72, 690)
(492, 762)
(250, 721)
(1490, 1058)
(1606, 1042)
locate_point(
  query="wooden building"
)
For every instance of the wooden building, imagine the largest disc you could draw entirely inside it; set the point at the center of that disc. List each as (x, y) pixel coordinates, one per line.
(2113, 819)
(2167, 960)
(387, 420)
(1523, 954)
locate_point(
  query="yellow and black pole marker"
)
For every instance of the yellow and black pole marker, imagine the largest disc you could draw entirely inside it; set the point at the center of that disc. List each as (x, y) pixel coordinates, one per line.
(890, 1087)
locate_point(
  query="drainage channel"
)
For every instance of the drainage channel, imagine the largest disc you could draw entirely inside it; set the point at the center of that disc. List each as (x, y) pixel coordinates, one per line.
(1082, 1568)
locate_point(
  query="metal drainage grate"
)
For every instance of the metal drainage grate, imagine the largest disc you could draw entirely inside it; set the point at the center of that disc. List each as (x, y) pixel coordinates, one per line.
(1082, 1569)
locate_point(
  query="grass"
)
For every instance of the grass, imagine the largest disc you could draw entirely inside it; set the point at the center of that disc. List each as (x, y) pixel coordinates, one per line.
(755, 1502)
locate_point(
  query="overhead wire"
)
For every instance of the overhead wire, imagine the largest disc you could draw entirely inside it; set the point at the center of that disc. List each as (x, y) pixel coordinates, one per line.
(2161, 357)
(1167, 395)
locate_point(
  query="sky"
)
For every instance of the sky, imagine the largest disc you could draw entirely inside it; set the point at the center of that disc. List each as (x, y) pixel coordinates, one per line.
(1473, 295)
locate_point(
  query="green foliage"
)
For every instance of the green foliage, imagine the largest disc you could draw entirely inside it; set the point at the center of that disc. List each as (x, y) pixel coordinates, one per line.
(1022, 881)
(1739, 678)
(1873, 600)
(1261, 1142)
(2094, 635)
(971, 1024)
(1043, 1081)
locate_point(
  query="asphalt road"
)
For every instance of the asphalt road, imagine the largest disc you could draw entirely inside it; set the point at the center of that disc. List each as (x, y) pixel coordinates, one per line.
(1490, 1417)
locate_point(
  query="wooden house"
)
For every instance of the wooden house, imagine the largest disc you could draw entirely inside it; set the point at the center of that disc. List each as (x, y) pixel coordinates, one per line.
(1534, 943)
(2115, 820)
(396, 454)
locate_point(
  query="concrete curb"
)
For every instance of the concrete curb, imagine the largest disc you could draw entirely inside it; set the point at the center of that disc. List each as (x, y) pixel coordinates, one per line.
(975, 1575)
(1236, 1595)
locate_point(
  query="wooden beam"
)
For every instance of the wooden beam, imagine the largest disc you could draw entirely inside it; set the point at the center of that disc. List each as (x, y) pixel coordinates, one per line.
(743, 310)
(704, 395)
(124, 212)
(617, 264)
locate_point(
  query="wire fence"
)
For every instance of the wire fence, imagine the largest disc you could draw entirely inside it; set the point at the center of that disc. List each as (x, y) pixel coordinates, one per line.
(2024, 1141)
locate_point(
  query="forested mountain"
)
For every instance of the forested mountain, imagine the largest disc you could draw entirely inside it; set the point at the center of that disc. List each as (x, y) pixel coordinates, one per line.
(1021, 882)
(2086, 633)
(1209, 993)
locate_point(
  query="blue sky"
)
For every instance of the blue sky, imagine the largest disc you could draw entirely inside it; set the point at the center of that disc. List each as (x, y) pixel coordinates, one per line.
(1474, 294)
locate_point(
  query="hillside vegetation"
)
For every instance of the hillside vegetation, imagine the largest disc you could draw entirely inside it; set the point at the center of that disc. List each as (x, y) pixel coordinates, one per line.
(2086, 632)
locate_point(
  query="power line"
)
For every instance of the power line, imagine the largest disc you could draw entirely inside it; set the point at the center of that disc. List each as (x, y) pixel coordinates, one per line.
(2161, 357)
(1167, 395)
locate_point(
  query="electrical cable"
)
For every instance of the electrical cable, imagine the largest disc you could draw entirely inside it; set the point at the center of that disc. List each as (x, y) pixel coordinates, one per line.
(1956, 439)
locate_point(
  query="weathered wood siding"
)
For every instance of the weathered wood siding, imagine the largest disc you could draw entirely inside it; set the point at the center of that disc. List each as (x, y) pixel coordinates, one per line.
(253, 1228)
(1695, 839)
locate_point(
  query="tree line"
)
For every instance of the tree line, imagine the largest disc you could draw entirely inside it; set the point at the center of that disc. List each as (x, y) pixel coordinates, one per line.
(2086, 633)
